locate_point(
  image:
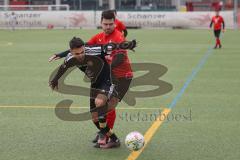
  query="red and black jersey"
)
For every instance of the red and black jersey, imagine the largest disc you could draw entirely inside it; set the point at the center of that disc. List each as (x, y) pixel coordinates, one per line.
(119, 25)
(124, 69)
(217, 22)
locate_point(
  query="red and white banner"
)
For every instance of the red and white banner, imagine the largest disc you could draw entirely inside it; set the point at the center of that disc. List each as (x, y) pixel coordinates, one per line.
(173, 19)
(42, 19)
(78, 19)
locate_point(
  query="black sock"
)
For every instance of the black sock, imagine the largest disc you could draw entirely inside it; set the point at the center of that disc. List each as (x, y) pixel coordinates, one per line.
(104, 129)
(97, 124)
(114, 137)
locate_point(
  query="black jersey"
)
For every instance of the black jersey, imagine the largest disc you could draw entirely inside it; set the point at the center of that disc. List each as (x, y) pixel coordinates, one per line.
(93, 65)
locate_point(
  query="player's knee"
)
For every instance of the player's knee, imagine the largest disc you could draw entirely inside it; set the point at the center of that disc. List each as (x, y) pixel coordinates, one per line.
(100, 102)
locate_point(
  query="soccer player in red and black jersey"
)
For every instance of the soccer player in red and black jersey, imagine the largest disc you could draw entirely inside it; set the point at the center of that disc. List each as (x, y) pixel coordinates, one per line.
(119, 25)
(218, 25)
(120, 66)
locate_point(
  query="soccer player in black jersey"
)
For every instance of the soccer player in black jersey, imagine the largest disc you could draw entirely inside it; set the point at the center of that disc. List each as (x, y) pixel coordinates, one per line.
(98, 70)
(91, 60)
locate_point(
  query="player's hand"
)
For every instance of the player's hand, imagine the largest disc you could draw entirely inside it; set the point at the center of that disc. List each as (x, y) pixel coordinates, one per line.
(53, 57)
(224, 30)
(53, 85)
(134, 45)
(128, 45)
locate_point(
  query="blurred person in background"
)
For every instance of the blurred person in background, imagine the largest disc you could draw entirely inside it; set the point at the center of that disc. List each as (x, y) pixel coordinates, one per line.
(13, 20)
(218, 25)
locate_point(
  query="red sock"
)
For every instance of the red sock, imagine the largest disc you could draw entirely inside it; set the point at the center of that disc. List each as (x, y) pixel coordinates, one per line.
(111, 116)
(218, 41)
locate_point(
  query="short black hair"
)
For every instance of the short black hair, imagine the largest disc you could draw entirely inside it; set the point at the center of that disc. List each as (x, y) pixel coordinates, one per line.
(108, 14)
(76, 42)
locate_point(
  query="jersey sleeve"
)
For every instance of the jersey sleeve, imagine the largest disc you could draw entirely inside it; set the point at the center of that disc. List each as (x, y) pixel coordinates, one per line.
(122, 26)
(94, 50)
(69, 62)
(63, 54)
(223, 23)
(211, 23)
(119, 39)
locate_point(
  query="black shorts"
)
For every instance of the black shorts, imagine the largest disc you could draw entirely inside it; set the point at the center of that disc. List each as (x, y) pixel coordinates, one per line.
(122, 86)
(217, 33)
(104, 87)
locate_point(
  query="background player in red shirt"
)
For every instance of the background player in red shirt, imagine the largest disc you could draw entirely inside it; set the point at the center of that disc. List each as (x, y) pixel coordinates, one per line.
(218, 25)
(120, 26)
(120, 66)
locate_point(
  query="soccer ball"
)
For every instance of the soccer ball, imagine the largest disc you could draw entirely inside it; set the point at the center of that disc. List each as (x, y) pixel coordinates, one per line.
(134, 141)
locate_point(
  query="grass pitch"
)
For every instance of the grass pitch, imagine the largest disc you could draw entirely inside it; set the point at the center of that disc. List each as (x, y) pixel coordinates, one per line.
(204, 123)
